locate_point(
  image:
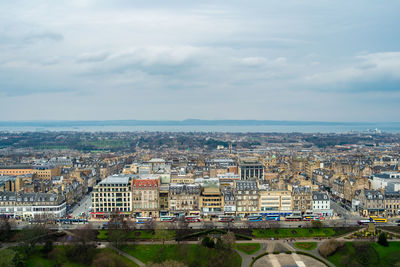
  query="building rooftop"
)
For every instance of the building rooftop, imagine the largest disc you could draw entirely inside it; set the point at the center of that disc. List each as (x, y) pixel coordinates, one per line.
(320, 196)
(116, 179)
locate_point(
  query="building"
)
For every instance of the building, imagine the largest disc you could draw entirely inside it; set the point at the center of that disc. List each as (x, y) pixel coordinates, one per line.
(157, 165)
(321, 203)
(182, 179)
(392, 203)
(145, 197)
(112, 194)
(372, 202)
(229, 201)
(246, 198)
(16, 170)
(387, 181)
(32, 205)
(184, 199)
(46, 171)
(251, 169)
(302, 198)
(163, 199)
(211, 202)
(275, 202)
(14, 183)
(321, 177)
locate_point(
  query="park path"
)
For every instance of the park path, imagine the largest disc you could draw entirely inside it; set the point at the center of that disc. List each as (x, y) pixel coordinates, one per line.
(120, 252)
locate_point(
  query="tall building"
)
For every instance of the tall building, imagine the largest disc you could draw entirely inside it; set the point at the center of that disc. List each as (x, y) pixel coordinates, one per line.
(211, 201)
(112, 194)
(145, 197)
(246, 198)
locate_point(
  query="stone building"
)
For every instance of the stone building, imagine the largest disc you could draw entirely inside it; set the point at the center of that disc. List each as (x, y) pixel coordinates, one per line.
(184, 199)
(302, 198)
(145, 197)
(246, 198)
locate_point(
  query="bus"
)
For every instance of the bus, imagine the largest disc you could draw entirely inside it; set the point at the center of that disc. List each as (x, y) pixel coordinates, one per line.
(378, 219)
(226, 218)
(192, 219)
(310, 218)
(293, 218)
(272, 218)
(255, 218)
(168, 219)
(365, 222)
(143, 220)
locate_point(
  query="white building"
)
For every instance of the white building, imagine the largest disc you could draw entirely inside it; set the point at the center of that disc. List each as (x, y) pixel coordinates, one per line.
(387, 180)
(321, 203)
(32, 205)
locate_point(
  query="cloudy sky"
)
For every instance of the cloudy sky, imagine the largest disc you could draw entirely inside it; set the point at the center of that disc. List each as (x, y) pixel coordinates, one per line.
(273, 60)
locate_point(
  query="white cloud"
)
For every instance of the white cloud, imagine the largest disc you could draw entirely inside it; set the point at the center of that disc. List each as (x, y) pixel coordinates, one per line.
(236, 59)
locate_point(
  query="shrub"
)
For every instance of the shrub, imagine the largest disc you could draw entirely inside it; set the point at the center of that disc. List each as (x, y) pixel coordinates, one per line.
(208, 242)
(48, 246)
(382, 240)
(288, 252)
(329, 247)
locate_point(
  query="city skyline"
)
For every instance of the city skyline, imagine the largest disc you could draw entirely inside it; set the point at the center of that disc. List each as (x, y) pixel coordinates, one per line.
(91, 60)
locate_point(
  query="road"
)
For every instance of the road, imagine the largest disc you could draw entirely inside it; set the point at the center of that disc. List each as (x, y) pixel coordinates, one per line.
(82, 207)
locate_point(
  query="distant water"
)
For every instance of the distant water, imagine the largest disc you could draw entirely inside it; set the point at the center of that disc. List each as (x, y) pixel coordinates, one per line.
(210, 128)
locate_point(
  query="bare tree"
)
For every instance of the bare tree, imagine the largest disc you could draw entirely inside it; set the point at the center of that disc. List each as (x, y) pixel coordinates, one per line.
(163, 234)
(85, 234)
(31, 235)
(117, 237)
(228, 240)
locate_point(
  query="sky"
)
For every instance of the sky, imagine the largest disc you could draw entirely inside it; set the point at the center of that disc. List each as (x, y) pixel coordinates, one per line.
(173, 60)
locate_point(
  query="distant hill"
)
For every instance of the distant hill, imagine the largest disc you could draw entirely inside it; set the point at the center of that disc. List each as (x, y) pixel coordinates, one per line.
(189, 122)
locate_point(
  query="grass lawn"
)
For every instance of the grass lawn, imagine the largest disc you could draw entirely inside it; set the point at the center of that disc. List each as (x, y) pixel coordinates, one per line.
(126, 260)
(102, 234)
(335, 258)
(294, 232)
(372, 254)
(248, 248)
(38, 259)
(136, 234)
(306, 245)
(193, 255)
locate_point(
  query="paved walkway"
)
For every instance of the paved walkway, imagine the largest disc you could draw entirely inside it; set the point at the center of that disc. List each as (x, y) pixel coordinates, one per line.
(138, 262)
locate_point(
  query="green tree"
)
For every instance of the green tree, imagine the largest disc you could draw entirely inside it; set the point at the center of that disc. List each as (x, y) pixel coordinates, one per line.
(382, 240)
(208, 242)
